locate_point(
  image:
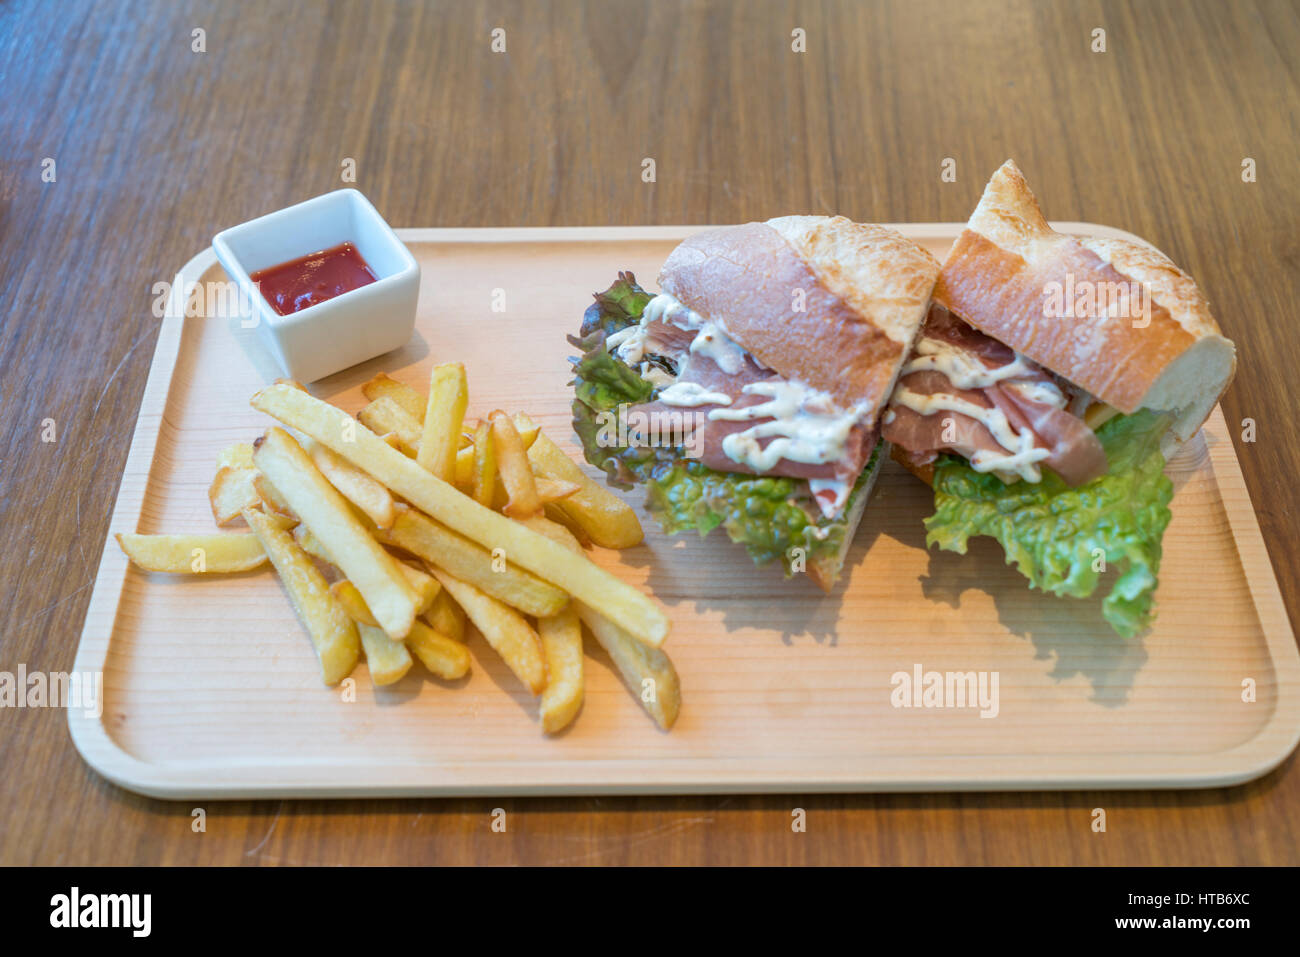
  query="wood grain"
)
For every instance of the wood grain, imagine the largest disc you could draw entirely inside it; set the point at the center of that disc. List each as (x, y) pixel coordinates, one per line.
(158, 147)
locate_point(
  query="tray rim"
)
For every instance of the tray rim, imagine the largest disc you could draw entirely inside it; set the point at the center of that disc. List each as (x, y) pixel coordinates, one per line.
(1253, 758)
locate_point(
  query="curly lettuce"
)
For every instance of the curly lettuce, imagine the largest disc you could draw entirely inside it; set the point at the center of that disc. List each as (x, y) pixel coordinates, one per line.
(768, 515)
(1063, 539)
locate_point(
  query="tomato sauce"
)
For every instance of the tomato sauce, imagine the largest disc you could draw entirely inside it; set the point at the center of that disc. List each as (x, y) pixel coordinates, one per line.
(312, 279)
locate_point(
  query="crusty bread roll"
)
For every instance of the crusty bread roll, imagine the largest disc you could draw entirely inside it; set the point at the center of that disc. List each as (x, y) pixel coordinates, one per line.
(832, 303)
(1171, 357)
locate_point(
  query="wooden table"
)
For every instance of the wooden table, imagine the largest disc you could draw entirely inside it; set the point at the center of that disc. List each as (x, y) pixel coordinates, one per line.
(156, 147)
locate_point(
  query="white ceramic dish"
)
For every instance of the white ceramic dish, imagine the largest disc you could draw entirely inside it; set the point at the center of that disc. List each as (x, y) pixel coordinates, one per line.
(340, 332)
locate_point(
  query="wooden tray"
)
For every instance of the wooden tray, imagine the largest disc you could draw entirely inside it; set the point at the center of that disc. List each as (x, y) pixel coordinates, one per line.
(211, 687)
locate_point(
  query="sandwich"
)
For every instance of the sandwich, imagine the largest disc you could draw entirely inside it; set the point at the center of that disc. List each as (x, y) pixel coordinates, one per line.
(746, 394)
(1051, 378)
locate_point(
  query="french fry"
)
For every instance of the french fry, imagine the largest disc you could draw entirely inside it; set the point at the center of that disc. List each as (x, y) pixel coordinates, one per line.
(395, 441)
(411, 402)
(647, 672)
(561, 636)
(273, 503)
(443, 417)
(512, 465)
(387, 660)
(438, 545)
(505, 630)
(309, 543)
(552, 490)
(607, 519)
(193, 554)
(555, 531)
(617, 600)
(350, 598)
(425, 585)
(384, 415)
(332, 631)
(331, 519)
(465, 456)
(232, 490)
(552, 511)
(485, 466)
(465, 469)
(375, 501)
(439, 653)
(446, 617)
(239, 455)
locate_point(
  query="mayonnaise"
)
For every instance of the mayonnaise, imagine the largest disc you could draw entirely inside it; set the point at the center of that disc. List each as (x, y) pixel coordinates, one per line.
(688, 394)
(628, 344)
(1020, 445)
(711, 340)
(830, 506)
(966, 371)
(713, 343)
(806, 426)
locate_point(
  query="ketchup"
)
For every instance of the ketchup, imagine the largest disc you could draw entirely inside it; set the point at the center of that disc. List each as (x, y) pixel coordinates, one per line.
(300, 283)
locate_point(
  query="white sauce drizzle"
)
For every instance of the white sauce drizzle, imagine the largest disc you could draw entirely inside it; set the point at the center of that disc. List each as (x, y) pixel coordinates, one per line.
(1040, 393)
(615, 342)
(688, 394)
(840, 488)
(966, 371)
(1020, 444)
(806, 426)
(711, 340)
(713, 343)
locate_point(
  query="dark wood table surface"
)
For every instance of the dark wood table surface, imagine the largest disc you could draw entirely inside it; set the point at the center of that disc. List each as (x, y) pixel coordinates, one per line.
(156, 147)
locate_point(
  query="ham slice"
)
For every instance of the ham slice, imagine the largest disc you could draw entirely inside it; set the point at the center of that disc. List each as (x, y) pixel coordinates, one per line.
(1074, 452)
(706, 435)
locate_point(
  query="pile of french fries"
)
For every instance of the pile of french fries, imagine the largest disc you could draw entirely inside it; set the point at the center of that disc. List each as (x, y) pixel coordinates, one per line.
(391, 529)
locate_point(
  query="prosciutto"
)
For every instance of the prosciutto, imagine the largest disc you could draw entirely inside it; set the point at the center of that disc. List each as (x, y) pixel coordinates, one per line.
(1029, 399)
(707, 435)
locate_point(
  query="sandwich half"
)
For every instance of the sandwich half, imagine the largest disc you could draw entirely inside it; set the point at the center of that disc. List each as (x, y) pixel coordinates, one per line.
(747, 393)
(1051, 378)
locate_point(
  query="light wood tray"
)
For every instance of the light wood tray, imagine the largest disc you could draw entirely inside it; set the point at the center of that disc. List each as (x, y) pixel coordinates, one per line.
(211, 687)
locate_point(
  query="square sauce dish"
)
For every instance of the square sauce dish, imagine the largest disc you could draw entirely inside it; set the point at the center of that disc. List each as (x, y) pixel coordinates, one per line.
(330, 283)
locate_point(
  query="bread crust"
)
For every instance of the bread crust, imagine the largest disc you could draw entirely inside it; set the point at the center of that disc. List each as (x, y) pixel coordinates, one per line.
(999, 277)
(832, 303)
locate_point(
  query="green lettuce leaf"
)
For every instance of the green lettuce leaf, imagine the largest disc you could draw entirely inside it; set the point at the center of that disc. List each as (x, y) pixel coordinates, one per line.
(616, 308)
(767, 515)
(1052, 532)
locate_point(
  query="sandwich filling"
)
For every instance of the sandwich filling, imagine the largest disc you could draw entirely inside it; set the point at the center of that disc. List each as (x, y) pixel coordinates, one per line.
(966, 393)
(750, 419)
(774, 462)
